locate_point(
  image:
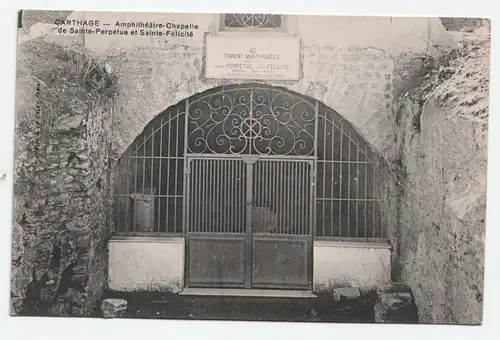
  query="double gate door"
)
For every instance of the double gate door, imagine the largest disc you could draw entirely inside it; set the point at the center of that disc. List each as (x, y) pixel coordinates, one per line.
(249, 222)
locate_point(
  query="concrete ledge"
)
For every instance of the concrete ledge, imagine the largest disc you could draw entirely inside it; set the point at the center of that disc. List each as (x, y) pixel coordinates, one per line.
(148, 239)
(353, 244)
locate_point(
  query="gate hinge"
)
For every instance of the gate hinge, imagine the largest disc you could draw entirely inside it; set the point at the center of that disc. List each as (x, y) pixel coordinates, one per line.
(187, 171)
(313, 174)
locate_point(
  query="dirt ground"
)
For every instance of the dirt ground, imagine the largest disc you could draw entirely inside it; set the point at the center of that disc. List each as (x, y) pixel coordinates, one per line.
(173, 306)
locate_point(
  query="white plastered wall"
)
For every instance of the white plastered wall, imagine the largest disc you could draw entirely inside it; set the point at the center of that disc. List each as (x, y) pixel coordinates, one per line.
(148, 264)
(344, 264)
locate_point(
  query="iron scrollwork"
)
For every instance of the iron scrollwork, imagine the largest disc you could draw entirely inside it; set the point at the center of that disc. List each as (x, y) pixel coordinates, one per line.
(252, 120)
(243, 20)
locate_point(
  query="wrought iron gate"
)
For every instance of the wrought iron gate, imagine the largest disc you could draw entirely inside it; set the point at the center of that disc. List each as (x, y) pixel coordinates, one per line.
(265, 171)
(249, 222)
(250, 155)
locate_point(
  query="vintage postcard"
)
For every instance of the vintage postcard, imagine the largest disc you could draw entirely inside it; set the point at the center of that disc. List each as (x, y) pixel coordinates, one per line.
(250, 166)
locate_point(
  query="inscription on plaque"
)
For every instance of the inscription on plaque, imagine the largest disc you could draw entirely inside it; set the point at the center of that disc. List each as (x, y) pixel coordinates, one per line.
(252, 58)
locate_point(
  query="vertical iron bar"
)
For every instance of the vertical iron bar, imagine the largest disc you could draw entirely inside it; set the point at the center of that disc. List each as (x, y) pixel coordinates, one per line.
(293, 195)
(277, 195)
(300, 196)
(332, 180)
(373, 202)
(211, 197)
(216, 194)
(200, 168)
(285, 196)
(228, 196)
(127, 203)
(237, 171)
(200, 227)
(151, 183)
(233, 211)
(366, 188)
(301, 200)
(248, 231)
(296, 197)
(357, 191)
(240, 192)
(282, 195)
(307, 199)
(190, 210)
(323, 202)
(308, 177)
(186, 190)
(217, 200)
(305, 180)
(286, 184)
(206, 195)
(224, 197)
(274, 173)
(203, 198)
(193, 190)
(193, 218)
(311, 185)
(267, 188)
(262, 175)
(169, 163)
(160, 170)
(264, 194)
(176, 162)
(143, 182)
(349, 187)
(223, 200)
(135, 196)
(341, 164)
(289, 198)
(214, 180)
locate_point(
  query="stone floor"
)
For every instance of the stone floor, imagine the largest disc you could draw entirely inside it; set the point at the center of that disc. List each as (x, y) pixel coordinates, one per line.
(173, 306)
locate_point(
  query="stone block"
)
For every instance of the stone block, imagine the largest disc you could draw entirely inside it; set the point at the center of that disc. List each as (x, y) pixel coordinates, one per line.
(112, 308)
(347, 293)
(395, 304)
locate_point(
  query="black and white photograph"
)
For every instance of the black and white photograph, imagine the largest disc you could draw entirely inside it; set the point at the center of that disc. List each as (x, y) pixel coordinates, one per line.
(250, 167)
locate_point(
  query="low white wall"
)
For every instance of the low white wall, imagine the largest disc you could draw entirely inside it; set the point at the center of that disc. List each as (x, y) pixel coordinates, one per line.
(157, 264)
(356, 264)
(148, 264)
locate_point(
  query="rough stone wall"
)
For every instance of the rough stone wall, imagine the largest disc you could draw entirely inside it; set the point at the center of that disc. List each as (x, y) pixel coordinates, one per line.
(62, 192)
(437, 199)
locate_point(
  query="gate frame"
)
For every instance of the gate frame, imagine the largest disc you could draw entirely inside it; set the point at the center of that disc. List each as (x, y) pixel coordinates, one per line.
(313, 160)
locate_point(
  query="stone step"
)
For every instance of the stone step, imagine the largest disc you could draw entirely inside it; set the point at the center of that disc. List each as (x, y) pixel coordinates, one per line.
(274, 293)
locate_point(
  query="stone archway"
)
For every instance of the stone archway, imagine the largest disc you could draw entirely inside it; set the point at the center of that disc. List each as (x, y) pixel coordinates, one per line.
(235, 162)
